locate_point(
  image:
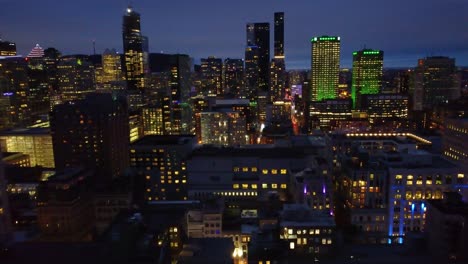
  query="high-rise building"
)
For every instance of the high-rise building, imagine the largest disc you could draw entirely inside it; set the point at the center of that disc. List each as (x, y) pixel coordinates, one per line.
(92, 133)
(252, 72)
(36, 52)
(455, 140)
(7, 48)
(258, 34)
(367, 74)
(435, 82)
(223, 128)
(233, 81)
(325, 67)
(160, 162)
(212, 76)
(111, 66)
(5, 221)
(134, 47)
(75, 77)
(279, 35)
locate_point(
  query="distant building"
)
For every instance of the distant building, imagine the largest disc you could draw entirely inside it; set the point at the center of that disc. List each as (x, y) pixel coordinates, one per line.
(16, 159)
(258, 34)
(204, 223)
(455, 140)
(447, 228)
(367, 74)
(160, 165)
(7, 48)
(99, 139)
(233, 78)
(212, 76)
(435, 82)
(383, 108)
(223, 128)
(36, 52)
(251, 73)
(325, 67)
(75, 75)
(326, 111)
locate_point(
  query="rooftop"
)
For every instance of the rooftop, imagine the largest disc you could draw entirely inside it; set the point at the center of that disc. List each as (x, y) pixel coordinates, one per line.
(25, 131)
(154, 140)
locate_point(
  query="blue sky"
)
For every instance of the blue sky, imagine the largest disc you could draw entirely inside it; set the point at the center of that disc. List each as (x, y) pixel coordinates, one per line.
(405, 29)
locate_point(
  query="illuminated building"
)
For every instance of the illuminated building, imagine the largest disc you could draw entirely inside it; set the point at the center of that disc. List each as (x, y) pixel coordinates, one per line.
(435, 82)
(447, 228)
(16, 159)
(200, 104)
(64, 207)
(278, 66)
(5, 221)
(223, 128)
(325, 67)
(111, 73)
(383, 108)
(212, 76)
(307, 232)
(280, 112)
(75, 76)
(93, 133)
(36, 52)
(455, 140)
(14, 91)
(34, 142)
(313, 188)
(204, 223)
(415, 178)
(134, 51)
(159, 161)
(367, 74)
(251, 73)
(7, 48)
(152, 117)
(328, 111)
(258, 34)
(233, 77)
(135, 126)
(250, 173)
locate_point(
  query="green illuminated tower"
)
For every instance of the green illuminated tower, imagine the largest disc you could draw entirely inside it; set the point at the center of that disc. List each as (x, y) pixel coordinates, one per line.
(325, 67)
(367, 74)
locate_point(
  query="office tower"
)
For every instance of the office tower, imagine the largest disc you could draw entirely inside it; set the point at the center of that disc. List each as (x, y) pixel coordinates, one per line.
(258, 34)
(5, 221)
(34, 142)
(153, 121)
(233, 81)
(455, 140)
(179, 94)
(51, 58)
(223, 128)
(36, 52)
(133, 46)
(277, 80)
(325, 67)
(111, 66)
(279, 35)
(7, 48)
(326, 112)
(383, 109)
(367, 74)
(212, 76)
(435, 82)
(75, 76)
(64, 206)
(14, 91)
(159, 161)
(252, 72)
(92, 133)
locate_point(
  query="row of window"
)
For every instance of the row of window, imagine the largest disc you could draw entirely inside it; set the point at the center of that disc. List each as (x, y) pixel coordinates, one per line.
(255, 186)
(264, 171)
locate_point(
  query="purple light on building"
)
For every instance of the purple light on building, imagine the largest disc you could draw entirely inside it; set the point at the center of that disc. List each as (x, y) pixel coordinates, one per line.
(8, 94)
(305, 189)
(323, 189)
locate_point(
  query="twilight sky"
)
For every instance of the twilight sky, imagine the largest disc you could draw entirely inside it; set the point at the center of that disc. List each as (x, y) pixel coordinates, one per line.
(405, 29)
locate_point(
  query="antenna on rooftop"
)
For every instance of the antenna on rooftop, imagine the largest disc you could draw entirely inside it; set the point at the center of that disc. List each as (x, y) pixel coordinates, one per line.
(94, 47)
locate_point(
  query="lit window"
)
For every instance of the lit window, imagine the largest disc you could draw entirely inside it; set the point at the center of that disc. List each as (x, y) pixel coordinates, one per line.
(409, 182)
(290, 231)
(245, 186)
(461, 176)
(324, 241)
(274, 171)
(254, 169)
(283, 171)
(264, 186)
(398, 177)
(274, 186)
(410, 177)
(235, 186)
(236, 169)
(254, 186)
(291, 245)
(284, 186)
(264, 171)
(245, 169)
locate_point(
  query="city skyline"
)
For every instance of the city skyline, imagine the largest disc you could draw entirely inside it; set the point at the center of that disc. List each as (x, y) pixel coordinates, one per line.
(405, 34)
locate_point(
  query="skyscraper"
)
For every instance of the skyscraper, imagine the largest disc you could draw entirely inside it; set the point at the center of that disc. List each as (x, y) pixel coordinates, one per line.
(367, 74)
(233, 76)
(75, 75)
(258, 34)
(279, 35)
(111, 66)
(180, 86)
(133, 46)
(7, 48)
(252, 72)
(435, 82)
(5, 221)
(92, 133)
(212, 76)
(325, 67)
